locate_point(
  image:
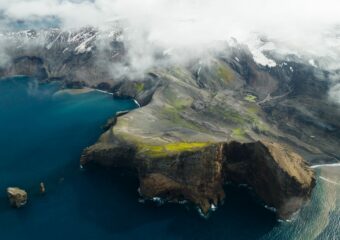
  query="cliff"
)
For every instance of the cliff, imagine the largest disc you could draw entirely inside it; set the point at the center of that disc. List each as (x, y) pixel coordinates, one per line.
(197, 171)
(189, 141)
(202, 124)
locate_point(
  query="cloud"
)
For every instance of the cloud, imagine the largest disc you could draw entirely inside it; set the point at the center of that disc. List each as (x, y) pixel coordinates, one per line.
(298, 24)
(309, 28)
(334, 93)
(179, 21)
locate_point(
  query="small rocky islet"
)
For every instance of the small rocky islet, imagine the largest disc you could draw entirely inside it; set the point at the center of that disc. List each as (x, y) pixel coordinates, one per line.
(17, 197)
(203, 125)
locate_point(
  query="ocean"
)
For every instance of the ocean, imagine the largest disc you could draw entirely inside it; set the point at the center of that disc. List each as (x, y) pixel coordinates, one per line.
(42, 134)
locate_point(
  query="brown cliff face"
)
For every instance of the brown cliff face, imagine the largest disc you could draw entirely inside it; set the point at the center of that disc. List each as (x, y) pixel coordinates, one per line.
(197, 172)
(278, 176)
(194, 175)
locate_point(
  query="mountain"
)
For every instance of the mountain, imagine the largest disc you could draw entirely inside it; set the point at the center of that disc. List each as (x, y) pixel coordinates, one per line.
(235, 115)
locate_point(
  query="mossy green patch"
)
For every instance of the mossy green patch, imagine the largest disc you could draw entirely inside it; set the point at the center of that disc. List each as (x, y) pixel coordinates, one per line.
(225, 73)
(139, 87)
(250, 98)
(239, 133)
(155, 151)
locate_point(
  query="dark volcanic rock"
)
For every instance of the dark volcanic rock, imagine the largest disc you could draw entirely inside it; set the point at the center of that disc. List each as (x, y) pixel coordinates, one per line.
(278, 176)
(141, 90)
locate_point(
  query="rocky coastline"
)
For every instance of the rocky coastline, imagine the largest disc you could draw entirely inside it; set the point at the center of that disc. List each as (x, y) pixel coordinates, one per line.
(197, 171)
(204, 124)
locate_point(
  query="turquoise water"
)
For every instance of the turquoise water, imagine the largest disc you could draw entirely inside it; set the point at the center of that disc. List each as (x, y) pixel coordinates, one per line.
(42, 134)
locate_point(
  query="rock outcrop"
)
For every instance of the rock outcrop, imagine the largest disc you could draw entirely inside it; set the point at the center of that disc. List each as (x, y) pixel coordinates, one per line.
(280, 177)
(197, 171)
(17, 197)
(192, 138)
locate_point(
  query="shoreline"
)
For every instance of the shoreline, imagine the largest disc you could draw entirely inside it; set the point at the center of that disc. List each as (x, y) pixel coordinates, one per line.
(87, 90)
(325, 165)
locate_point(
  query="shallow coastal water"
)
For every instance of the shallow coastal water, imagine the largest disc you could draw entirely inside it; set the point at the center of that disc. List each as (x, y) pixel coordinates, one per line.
(42, 134)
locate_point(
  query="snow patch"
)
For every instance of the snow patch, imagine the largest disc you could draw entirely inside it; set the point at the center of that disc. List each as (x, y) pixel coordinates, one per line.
(83, 47)
(261, 59)
(257, 47)
(312, 62)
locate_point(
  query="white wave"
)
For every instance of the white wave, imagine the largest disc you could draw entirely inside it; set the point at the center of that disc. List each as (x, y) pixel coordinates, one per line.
(102, 91)
(326, 165)
(328, 180)
(136, 102)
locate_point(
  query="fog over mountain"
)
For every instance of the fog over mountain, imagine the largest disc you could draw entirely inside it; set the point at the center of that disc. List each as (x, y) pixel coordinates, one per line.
(184, 29)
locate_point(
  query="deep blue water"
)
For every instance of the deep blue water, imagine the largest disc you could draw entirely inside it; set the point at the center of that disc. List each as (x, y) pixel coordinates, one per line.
(42, 135)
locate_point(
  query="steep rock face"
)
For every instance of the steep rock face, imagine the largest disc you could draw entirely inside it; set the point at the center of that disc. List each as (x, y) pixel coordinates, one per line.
(197, 171)
(174, 172)
(279, 176)
(182, 171)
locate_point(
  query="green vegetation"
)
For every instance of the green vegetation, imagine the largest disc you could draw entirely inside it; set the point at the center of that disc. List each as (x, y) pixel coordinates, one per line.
(250, 98)
(139, 87)
(225, 73)
(239, 133)
(170, 148)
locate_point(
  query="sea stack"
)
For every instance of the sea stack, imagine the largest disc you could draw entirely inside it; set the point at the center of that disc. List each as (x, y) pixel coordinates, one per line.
(17, 197)
(42, 188)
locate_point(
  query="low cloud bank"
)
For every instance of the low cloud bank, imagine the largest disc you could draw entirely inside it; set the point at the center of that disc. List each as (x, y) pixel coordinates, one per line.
(308, 28)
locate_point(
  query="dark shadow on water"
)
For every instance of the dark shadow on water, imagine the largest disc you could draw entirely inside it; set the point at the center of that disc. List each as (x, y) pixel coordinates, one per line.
(111, 202)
